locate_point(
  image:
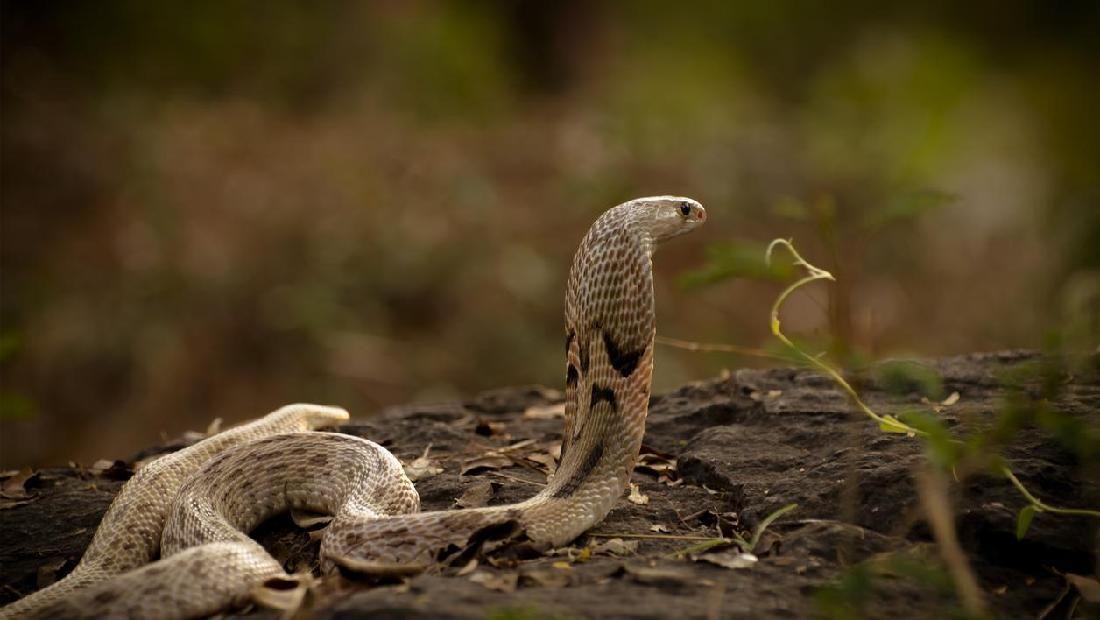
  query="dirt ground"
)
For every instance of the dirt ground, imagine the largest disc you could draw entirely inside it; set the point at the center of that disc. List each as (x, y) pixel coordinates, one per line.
(719, 456)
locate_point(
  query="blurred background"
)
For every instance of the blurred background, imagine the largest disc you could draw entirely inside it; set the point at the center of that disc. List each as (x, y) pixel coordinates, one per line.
(213, 208)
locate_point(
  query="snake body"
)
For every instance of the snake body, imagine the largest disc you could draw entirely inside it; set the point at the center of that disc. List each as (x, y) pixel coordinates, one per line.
(193, 508)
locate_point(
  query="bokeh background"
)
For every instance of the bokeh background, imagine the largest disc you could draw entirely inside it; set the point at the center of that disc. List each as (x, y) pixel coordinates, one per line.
(213, 208)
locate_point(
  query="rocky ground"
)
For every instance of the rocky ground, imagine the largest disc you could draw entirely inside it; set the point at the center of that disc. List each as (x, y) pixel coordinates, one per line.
(720, 455)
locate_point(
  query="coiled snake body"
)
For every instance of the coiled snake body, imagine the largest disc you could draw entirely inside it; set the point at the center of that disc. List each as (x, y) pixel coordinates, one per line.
(192, 508)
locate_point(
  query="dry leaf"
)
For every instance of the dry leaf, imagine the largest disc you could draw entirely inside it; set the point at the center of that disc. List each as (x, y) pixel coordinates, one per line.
(656, 465)
(516, 446)
(477, 494)
(469, 568)
(423, 467)
(487, 428)
(546, 578)
(617, 546)
(485, 463)
(47, 573)
(1089, 587)
(660, 529)
(545, 412)
(112, 470)
(636, 496)
(15, 487)
(545, 461)
(659, 575)
(950, 400)
(728, 559)
(501, 582)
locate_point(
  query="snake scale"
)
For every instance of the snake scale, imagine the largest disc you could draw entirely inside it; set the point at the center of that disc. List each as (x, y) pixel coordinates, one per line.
(174, 542)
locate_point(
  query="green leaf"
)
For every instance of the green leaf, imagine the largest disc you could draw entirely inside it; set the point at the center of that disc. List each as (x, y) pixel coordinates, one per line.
(768, 520)
(907, 376)
(1023, 520)
(9, 344)
(908, 206)
(889, 426)
(15, 406)
(791, 208)
(943, 450)
(736, 260)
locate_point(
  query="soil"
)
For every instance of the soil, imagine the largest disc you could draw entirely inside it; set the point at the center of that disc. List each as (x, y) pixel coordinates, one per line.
(723, 454)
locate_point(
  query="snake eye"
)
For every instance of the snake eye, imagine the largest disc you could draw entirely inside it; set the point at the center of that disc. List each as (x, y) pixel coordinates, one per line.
(685, 208)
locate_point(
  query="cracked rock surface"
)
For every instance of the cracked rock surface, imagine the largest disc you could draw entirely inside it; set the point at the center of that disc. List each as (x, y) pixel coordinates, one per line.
(723, 454)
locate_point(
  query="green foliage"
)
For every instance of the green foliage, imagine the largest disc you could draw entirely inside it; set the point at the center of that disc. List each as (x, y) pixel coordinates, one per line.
(1023, 520)
(13, 406)
(847, 598)
(907, 206)
(736, 259)
(906, 377)
(1048, 372)
(942, 449)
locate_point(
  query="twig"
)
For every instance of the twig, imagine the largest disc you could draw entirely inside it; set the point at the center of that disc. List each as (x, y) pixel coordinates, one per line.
(1039, 505)
(690, 345)
(654, 536)
(516, 478)
(932, 489)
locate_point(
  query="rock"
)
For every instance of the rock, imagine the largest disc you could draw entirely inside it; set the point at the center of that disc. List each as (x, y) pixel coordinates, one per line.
(743, 447)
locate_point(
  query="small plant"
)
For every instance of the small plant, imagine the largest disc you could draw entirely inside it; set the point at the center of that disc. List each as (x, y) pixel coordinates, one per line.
(943, 449)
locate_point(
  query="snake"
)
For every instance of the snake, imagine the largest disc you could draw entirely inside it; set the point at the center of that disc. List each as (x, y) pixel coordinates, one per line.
(174, 542)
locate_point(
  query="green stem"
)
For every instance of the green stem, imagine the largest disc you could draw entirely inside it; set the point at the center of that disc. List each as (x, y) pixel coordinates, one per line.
(887, 423)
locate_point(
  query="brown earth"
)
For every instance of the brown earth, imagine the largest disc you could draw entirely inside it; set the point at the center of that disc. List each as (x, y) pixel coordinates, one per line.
(732, 450)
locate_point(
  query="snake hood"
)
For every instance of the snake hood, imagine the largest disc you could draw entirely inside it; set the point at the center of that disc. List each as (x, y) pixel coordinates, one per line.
(192, 508)
(659, 218)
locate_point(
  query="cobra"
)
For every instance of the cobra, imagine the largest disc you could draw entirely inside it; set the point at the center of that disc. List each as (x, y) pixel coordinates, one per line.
(174, 542)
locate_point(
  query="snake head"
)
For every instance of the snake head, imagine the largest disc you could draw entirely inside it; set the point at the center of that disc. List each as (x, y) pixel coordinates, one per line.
(666, 217)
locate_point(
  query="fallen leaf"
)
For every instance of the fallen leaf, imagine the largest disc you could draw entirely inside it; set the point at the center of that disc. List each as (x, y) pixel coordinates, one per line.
(728, 559)
(477, 494)
(516, 446)
(656, 465)
(15, 487)
(546, 578)
(545, 461)
(112, 470)
(47, 573)
(485, 463)
(660, 529)
(422, 467)
(1089, 587)
(617, 546)
(545, 412)
(501, 582)
(469, 568)
(636, 496)
(487, 428)
(659, 575)
(951, 399)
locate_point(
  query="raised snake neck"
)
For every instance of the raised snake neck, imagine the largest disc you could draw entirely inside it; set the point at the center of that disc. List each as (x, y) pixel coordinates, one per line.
(193, 506)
